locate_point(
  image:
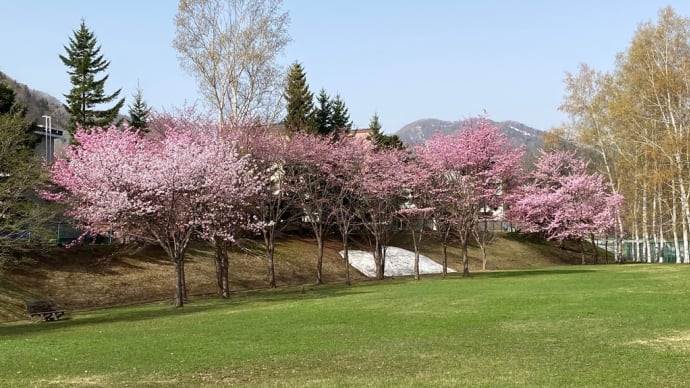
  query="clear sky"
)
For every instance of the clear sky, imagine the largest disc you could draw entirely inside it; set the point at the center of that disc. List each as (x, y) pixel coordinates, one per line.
(405, 60)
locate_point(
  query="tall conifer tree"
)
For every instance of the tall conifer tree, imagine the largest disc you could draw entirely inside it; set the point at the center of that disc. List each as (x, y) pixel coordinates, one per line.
(299, 100)
(139, 112)
(7, 98)
(341, 115)
(380, 139)
(323, 117)
(84, 62)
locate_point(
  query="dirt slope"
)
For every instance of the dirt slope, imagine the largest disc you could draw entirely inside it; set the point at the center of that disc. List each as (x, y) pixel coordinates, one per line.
(101, 276)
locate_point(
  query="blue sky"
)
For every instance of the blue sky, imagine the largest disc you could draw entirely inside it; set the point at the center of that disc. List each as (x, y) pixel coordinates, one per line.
(405, 60)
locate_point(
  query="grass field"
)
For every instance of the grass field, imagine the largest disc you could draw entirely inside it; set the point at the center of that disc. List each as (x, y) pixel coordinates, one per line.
(617, 325)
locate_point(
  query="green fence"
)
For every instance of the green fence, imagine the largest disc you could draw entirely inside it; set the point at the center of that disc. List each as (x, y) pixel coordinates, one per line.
(666, 251)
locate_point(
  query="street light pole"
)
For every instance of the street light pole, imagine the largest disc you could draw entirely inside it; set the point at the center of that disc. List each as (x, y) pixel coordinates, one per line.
(48, 130)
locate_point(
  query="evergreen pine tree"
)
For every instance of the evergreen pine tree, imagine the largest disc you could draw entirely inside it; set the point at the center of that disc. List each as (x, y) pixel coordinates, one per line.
(299, 100)
(341, 116)
(9, 103)
(375, 129)
(85, 61)
(7, 96)
(139, 112)
(323, 117)
(10, 108)
(380, 139)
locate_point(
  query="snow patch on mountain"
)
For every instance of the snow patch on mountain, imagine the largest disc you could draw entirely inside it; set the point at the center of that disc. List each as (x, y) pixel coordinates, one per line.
(518, 130)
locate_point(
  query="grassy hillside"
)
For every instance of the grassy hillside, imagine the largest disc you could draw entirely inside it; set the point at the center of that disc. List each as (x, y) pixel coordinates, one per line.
(100, 276)
(574, 326)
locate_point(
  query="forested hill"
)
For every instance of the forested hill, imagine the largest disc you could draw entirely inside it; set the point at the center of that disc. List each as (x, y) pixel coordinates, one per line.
(418, 131)
(38, 103)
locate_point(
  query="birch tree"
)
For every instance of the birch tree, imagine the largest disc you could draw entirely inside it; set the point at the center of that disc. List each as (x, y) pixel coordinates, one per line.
(231, 47)
(586, 104)
(652, 93)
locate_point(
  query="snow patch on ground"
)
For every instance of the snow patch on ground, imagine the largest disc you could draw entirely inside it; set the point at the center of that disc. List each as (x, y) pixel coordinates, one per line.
(399, 262)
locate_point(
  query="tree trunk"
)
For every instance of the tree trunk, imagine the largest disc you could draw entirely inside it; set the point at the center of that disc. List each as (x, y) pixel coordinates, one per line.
(582, 249)
(618, 240)
(485, 238)
(222, 267)
(645, 228)
(319, 258)
(662, 237)
(674, 222)
(379, 258)
(416, 253)
(185, 292)
(465, 258)
(685, 206)
(637, 252)
(445, 259)
(269, 240)
(606, 250)
(271, 267)
(446, 237)
(179, 297)
(595, 251)
(346, 257)
(654, 247)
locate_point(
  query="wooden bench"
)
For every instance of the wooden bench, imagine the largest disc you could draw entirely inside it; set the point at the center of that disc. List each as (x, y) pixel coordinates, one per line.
(45, 309)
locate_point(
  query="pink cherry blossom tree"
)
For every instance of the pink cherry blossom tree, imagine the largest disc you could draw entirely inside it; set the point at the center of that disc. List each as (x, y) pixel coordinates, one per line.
(415, 219)
(229, 214)
(471, 170)
(346, 165)
(159, 190)
(379, 190)
(418, 209)
(309, 161)
(563, 201)
(317, 166)
(275, 201)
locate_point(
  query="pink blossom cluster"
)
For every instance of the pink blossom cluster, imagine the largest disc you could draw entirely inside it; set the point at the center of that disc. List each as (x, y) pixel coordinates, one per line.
(468, 171)
(159, 189)
(564, 201)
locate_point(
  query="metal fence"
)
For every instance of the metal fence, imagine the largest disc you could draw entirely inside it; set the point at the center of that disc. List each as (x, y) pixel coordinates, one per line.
(659, 253)
(63, 233)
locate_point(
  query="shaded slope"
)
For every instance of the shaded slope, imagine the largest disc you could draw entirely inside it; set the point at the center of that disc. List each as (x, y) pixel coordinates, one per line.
(100, 276)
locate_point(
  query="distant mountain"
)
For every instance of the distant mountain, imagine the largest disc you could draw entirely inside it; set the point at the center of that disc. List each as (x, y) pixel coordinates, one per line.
(418, 131)
(38, 103)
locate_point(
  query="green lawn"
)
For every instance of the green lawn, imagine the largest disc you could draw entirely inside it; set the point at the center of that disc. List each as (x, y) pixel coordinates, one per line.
(621, 326)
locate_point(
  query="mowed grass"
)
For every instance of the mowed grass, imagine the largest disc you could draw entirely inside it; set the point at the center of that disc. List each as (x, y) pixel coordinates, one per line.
(616, 325)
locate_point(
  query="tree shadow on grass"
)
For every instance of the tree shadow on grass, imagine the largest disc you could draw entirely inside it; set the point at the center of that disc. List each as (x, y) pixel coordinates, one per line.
(532, 272)
(162, 310)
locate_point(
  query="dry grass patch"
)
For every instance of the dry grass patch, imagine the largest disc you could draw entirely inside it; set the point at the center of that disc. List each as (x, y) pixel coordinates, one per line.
(508, 251)
(679, 342)
(100, 275)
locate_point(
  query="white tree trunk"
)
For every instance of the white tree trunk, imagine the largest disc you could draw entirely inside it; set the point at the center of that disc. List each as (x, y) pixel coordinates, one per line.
(654, 245)
(647, 252)
(686, 218)
(674, 222)
(662, 238)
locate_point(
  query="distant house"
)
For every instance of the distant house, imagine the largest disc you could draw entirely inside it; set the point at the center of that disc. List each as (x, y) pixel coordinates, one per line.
(361, 133)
